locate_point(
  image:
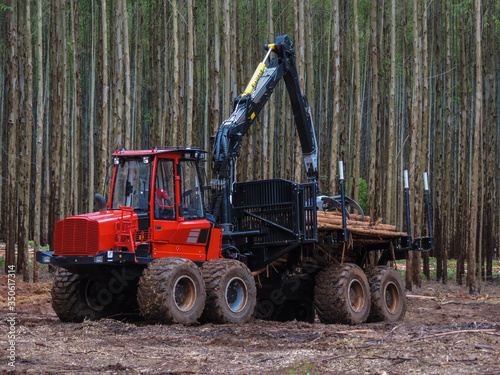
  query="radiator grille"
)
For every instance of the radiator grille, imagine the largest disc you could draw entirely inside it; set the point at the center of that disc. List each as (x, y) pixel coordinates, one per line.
(76, 236)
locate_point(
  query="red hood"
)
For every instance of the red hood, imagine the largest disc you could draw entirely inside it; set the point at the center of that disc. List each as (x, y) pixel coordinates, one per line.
(87, 234)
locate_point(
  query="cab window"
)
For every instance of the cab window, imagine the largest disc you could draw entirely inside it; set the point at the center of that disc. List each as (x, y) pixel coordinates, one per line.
(164, 194)
(131, 186)
(191, 205)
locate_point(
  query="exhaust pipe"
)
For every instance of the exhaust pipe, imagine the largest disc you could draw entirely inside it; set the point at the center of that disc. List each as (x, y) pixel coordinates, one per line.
(101, 202)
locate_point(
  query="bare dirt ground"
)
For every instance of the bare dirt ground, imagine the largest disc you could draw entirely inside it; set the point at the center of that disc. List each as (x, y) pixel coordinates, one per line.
(446, 331)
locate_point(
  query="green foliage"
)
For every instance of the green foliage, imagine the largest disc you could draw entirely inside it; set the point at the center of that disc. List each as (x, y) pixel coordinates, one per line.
(4, 8)
(32, 245)
(363, 195)
(451, 269)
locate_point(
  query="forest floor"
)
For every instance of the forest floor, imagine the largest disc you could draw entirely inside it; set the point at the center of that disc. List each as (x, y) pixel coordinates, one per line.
(446, 331)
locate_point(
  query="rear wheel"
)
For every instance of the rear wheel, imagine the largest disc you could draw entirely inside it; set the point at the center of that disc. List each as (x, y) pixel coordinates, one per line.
(171, 290)
(387, 294)
(342, 294)
(231, 291)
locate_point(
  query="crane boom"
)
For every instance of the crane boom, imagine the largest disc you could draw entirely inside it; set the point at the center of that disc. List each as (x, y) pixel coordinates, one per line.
(247, 106)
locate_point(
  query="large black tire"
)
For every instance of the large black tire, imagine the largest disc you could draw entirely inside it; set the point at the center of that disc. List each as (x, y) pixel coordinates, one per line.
(387, 294)
(342, 294)
(76, 297)
(171, 290)
(231, 291)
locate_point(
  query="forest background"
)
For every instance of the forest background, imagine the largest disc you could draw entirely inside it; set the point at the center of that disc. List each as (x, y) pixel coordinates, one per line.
(393, 85)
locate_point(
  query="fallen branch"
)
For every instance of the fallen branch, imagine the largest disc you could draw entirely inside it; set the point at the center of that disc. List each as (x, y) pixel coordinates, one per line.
(355, 331)
(487, 331)
(420, 297)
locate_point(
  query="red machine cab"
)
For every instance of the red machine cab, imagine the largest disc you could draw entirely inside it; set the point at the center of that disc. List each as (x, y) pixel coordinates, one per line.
(156, 210)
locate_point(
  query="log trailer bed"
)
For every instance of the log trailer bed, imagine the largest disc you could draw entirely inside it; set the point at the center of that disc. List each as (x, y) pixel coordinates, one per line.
(306, 259)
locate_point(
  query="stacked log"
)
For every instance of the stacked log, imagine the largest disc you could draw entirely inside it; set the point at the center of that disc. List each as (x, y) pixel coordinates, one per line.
(358, 226)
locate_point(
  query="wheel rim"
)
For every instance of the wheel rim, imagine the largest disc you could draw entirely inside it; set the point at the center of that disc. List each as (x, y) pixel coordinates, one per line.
(92, 295)
(392, 298)
(184, 293)
(236, 294)
(356, 295)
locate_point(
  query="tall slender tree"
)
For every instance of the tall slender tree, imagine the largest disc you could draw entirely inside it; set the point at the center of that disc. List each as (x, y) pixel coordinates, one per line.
(190, 73)
(103, 113)
(390, 186)
(39, 140)
(25, 142)
(12, 123)
(374, 118)
(128, 89)
(478, 123)
(357, 104)
(336, 96)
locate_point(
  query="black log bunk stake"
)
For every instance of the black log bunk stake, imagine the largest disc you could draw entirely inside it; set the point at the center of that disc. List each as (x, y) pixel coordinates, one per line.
(407, 204)
(430, 245)
(342, 198)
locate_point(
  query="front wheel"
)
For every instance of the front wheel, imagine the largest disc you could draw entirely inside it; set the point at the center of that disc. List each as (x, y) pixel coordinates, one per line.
(342, 294)
(231, 291)
(77, 297)
(171, 290)
(387, 294)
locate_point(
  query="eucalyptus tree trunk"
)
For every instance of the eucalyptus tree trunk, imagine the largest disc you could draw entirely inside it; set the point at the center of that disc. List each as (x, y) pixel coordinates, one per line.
(272, 106)
(234, 48)
(424, 153)
(336, 96)
(128, 89)
(76, 113)
(176, 122)
(373, 195)
(301, 69)
(157, 134)
(39, 140)
(91, 169)
(103, 113)
(209, 79)
(492, 220)
(25, 138)
(413, 276)
(309, 58)
(439, 158)
(357, 105)
(190, 73)
(216, 71)
(117, 94)
(463, 154)
(448, 166)
(12, 123)
(226, 105)
(64, 182)
(391, 151)
(474, 196)
(138, 79)
(56, 118)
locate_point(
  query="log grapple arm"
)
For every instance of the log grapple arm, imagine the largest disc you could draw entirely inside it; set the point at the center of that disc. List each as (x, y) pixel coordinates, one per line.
(247, 106)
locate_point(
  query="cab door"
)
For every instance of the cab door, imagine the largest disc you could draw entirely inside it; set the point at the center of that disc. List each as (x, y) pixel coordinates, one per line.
(180, 228)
